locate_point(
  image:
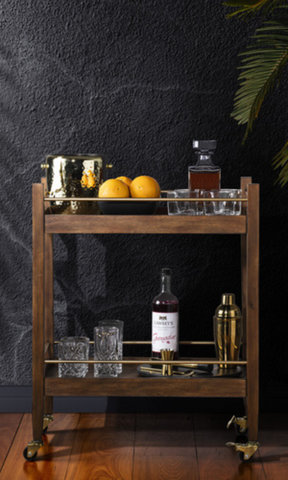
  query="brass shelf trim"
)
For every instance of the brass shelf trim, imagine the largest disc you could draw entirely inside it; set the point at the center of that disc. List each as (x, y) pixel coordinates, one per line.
(93, 199)
(160, 362)
(148, 342)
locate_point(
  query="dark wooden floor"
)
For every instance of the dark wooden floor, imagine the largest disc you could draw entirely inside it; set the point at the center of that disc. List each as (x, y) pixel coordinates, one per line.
(141, 447)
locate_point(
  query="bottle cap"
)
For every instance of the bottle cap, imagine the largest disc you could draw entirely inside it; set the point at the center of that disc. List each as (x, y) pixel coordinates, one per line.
(228, 298)
(166, 271)
(205, 145)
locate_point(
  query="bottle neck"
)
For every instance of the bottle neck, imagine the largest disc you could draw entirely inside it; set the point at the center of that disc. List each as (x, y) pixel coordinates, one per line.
(204, 160)
(166, 283)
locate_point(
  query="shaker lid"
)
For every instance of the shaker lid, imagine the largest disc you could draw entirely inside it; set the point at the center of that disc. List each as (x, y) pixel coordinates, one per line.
(228, 298)
(228, 309)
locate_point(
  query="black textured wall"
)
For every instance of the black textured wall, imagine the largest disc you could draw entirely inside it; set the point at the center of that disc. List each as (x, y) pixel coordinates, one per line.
(136, 80)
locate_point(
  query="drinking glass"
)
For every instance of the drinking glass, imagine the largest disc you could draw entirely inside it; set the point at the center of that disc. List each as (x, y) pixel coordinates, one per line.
(73, 348)
(210, 207)
(199, 206)
(120, 325)
(105, 348)
(185, 208)
(229, 208)
(223, 208)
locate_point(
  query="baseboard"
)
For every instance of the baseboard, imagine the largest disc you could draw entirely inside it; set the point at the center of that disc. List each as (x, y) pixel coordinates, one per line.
(19, 399)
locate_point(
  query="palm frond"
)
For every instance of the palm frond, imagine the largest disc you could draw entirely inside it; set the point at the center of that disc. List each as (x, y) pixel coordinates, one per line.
(261, 67)
(281, 161)
(247, 8)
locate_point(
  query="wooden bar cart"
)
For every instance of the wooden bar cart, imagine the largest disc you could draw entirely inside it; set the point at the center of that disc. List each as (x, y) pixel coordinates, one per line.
(47, 384)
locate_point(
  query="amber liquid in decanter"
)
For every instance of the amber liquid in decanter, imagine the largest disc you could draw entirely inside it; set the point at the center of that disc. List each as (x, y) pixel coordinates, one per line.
(204, 175)
(205, 180)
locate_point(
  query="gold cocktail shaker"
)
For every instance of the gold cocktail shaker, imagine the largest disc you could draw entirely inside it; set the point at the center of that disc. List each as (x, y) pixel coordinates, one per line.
(227, 323)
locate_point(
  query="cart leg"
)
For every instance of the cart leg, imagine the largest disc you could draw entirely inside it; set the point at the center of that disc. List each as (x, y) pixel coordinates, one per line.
(38, 321)
(252, 311)
(244, 186)
(250, 302)
(48, 406)
(37, 418)
(49, 319)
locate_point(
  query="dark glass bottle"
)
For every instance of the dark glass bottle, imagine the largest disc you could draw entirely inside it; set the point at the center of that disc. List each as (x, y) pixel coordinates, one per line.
(204, 175)
(165, 318)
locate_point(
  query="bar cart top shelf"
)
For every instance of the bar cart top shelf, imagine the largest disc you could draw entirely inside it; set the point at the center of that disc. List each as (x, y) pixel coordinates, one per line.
(158, 223)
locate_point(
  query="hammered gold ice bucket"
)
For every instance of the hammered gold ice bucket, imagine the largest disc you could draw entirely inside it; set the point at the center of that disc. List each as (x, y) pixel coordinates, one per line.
(78, 175)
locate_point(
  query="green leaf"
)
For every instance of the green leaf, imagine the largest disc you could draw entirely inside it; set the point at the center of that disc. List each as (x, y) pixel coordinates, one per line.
(261, 68)
(281, 161)
(246, 8)
(244, 3)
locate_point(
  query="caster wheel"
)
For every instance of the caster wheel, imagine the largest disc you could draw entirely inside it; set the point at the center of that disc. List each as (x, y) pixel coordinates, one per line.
(240, 431)
(29, 459)
(243, 459)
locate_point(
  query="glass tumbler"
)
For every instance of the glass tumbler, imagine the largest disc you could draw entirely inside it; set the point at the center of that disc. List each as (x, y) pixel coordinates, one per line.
(210, 207)
(223, 207)
(120, 325)
(106, 348)
(197, 206)
(185, 208)
(73, 348)
(229, 208)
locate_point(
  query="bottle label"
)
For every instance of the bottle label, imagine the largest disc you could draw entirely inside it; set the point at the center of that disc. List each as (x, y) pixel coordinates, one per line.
(164, 331)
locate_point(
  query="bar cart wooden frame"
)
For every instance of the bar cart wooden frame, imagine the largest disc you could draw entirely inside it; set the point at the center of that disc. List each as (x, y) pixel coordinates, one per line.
(47, 384)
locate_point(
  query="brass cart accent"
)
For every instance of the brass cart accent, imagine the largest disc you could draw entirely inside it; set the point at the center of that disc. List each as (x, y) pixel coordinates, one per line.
(240, 424)
(246, 450)
(48, 418)
(30, 452)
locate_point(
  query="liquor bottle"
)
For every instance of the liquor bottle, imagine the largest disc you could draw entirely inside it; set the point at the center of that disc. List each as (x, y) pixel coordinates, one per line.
(204, 175)
(165, 318)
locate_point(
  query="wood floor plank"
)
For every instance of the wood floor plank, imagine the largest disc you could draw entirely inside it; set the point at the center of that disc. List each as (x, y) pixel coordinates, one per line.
(215, 460)
(9, 422)
(103, 447)
(273, 438)
(165, 448)
(53, 457)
